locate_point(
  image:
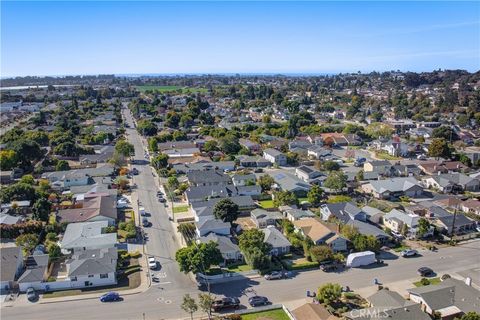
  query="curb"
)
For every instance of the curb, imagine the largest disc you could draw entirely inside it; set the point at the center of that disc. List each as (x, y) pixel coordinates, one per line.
(91, 298)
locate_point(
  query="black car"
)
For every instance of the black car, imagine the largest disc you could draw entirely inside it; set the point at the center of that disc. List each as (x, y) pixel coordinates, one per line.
(425, 271)
(225, 303)
(145, 222)
(258, 301)
(328, 267)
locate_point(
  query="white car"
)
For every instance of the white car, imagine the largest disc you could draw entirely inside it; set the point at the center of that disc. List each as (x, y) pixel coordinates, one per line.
(152, 263)
(409, 253)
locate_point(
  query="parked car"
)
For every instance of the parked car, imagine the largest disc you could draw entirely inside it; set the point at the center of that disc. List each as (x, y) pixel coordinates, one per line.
(425, 271)
(31, 294)
(142, 211)
(258, 170)
(152, 263)
(109, 297)
(256, 301)
(328, 267)
(408, 253)
(274, 275)
(225, 303)
(135, 171)
(159, 193)
(145, 222)
(161, 200)
(422, 157)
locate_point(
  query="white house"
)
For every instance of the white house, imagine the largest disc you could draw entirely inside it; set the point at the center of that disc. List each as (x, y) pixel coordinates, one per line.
(87, 235)
(275, 156)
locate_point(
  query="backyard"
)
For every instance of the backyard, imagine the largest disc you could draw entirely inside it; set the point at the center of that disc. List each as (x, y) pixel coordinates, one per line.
(180, 209)
(267, 204)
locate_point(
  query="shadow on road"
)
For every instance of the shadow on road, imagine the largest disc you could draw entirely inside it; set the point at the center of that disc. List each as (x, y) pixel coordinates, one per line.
(235, 288)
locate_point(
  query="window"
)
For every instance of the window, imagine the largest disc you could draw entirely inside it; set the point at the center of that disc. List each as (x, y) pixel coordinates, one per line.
(73, 278)
(90, 275)
(103, 275)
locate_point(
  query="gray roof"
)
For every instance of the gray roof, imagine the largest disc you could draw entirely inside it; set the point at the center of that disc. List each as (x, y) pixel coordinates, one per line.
(343, 211)
(89, 262)
(9, 261)
(249, 189)
(225, 244)
(460, 220)
(410, 220)
(100, 171)
(451, 292)
(368, 229)
(36, 268)
(275, 237)
(87, 234)
(272, 152)
(370, 211)
(288, 182)
(298, 213)
(244, 177)
(203, 192)
(453, 178)
(207, 176)
(412, 312)
(389, 299)
(205, 208)
(212, 224)
(394, 184)
(8, 219)
(260, 214)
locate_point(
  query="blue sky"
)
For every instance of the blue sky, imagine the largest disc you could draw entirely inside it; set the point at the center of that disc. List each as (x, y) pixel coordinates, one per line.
(59, 38)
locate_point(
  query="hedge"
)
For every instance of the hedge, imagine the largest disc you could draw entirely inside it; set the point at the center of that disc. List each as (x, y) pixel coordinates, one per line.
(13, 231)
(300, 266)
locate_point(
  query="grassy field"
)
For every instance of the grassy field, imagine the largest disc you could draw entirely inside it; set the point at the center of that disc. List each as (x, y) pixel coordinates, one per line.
(431, 281)
(180, 209)
(276, 314)
(267, 204)
(163, 89)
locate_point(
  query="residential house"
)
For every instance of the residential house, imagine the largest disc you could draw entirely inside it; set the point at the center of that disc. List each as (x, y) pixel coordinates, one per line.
(229, 249)
(309, 174)
(408, 170)
(204, 209)
(250, 145)
(207, 178)
(275, 157)
(382, 167)
(438, 167)
(12, 264)
(253, 162)
(263, 218)
(102, 155)
(393, 147)
(87, 235)
(7, 219)
(288, 182)
(450, 299)
(320, 233)
(63, 180)
(243, 179)
(395, 220)
(294, 214)
(202, 193)
(212, 225)
(91, 207)
(471, 206)
(312, 311)
(393, 188)
(342, 211)
(280, 244)
(449, 182)
(369, 230)
(36, 272)
(21, 207)
(373, 214)
(456, 224)
(254, 191)
(318, 152)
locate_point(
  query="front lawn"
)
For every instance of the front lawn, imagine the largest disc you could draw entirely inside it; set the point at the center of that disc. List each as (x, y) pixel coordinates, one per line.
(267, 204)
(427, 282)
(180, 209)
(299, 264)
(385, 156)
(276, 314)
(239, 268)
(300, 200)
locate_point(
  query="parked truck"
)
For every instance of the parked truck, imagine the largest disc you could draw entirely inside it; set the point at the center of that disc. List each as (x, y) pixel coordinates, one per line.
(359, 259)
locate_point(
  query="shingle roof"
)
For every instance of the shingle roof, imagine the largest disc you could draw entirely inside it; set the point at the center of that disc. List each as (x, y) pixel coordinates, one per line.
(275, 237)
(207, 176)
(367, 229)
(225, 244)
(9, 259)
(89, 262)
(87, 234)
(388, 299)
(394, 184)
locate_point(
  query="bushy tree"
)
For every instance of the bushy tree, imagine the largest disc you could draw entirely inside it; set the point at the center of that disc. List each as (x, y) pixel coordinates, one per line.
(189, 305)
(315, 195)
(266, 182)
(198, 257)
(285, 198)
(226, 210)
(329, 293)
(336, 180)
(160, 161)
(321, 253)
(251, 243)
(423, 227)
(205, 301)
(8, 159)
(41, 209)
(27, 241)
(439, 147)
(331, 165)
(124, 148)
(62, 165)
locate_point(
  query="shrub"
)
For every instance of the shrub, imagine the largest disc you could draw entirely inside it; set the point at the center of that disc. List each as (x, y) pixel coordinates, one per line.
(135, 254)
(122, 225)
(425, 282)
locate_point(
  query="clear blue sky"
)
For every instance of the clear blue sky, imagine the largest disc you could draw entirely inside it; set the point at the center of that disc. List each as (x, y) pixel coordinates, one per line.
(59, 38)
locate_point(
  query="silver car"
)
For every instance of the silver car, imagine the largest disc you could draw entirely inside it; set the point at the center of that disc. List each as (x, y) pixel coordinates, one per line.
(274, 275)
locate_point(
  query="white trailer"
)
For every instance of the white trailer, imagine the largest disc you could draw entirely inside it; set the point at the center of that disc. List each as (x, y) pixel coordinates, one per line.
(358, 259)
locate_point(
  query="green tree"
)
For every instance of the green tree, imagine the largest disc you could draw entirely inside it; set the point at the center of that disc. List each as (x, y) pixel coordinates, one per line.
(62, 165)
(423, 227)
(205, 301)
(189, 305)
(160, 161)
(472, 315)
(321, 253)
(18, 191)
(331, 165)
(349, 232)
(378, 129)
(27, 241)
(172, 182)
(27, 179)
(153, 144)
(226, 210)
(198, 258)
(230, 145)
(363, 243)
(146, 128)
(315, 195)
(8, 159)
(210, 145)
(284, 198)
(329, 293)
(445, 132)
(439, 147)
(41, 209)
(251, 243)
(266, 182)
(336, 180)
(54, 251)
(124, 148)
